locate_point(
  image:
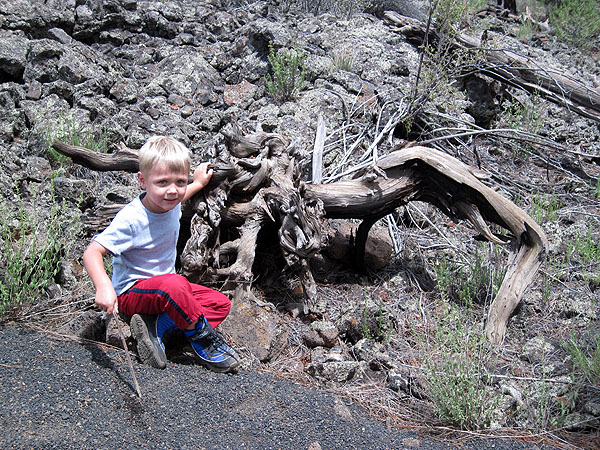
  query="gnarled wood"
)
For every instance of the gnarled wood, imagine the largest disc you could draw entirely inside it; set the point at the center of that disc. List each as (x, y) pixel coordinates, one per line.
(262, 185)
(425, 174)
(124, 159)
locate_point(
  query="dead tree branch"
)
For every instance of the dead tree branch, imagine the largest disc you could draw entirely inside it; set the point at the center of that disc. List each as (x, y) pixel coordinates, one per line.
(511, 68)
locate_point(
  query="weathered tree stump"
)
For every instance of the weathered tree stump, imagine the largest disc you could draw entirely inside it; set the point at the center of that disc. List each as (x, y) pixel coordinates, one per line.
(258, 183)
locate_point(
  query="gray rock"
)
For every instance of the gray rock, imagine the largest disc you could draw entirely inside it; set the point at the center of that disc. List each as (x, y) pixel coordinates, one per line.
(46, 111)
(592, 408)
(113, 336)
(327, 331)
(537, 349)
(580, 422)
(13, 55)
(187, 74)
(125, 90)
(374, 353)
(259, 330)
(37, 168)
(312, 339)
(88, 325)
(378, 249)
(35, 90)
(572, 305)
(73, 190)
(338, 372)
(398, 381)
(42, 60)
(60, 35)
(67, 275)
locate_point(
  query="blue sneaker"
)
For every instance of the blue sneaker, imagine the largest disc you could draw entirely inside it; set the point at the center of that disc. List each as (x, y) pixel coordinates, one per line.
(210, 349)
(149, 332)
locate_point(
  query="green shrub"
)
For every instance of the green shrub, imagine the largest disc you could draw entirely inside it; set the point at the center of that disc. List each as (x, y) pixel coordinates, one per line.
(441, 62)
(32, 249)
(586, 252)
(586, 358)
(476, 282)
(577, 23)
(287, 78)
(544, 210)
(343, 60)
(527, 115)
(67, 131)
(376, 323)
(457, 380)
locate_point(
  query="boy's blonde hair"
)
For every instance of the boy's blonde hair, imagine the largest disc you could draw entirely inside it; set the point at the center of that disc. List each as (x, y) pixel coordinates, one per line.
(164, 150)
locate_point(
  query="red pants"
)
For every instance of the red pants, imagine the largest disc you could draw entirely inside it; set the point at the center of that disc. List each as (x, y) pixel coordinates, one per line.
(184, 302)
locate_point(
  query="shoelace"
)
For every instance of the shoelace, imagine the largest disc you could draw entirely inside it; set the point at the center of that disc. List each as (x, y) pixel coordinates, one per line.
(216, 343)
(212, 342)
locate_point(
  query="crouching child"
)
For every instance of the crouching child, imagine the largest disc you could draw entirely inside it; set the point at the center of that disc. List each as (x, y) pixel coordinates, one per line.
(142, 239)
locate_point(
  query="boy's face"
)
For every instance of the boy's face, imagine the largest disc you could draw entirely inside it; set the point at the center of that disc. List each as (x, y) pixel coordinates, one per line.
(165, 188)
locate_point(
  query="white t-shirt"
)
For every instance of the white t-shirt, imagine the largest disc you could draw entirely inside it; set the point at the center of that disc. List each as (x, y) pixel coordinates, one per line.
(143, 243)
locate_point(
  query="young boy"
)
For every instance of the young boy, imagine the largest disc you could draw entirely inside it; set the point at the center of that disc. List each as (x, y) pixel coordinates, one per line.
(142, 239)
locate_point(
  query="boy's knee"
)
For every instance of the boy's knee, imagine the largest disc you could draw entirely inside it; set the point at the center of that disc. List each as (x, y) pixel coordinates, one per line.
(175, 280)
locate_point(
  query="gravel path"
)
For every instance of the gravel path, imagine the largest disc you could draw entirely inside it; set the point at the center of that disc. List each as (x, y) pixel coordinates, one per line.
(64, 395)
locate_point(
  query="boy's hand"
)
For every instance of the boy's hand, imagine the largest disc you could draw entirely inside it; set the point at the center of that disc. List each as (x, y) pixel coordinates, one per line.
(202, 174)
(106, 299)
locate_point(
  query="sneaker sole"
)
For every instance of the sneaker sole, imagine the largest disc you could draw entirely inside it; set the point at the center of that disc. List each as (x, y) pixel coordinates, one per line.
(214, 367)
(145, 347)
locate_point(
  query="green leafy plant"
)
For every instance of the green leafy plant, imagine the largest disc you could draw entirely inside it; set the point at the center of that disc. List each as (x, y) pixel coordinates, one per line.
(527, 114)
(586, 248)
(586, 358)
(457, 380)
(544, 210)
(586, 251)
(526, 29)
(288, 67)
(441, 63)
(375, 325)
(476, 282)
(32, 248)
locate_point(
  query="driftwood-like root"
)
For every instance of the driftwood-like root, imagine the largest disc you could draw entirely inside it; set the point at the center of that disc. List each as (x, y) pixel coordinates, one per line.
(425, 174)
(260, 184)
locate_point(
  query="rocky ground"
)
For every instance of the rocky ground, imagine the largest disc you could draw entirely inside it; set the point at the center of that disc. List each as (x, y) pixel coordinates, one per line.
(104, 72)
(75, 397)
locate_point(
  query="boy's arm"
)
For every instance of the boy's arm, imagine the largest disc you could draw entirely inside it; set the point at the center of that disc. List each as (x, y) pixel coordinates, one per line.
(202, 176)
(93, 260)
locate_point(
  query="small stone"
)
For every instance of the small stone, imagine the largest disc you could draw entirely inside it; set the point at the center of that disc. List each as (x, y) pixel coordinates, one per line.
(58, 34)
(175, 99)
(312, 339)
(187, 111)
(153, 112)
(35, 90)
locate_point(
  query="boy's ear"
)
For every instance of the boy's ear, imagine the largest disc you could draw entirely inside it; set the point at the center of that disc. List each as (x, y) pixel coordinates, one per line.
(141, 180)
